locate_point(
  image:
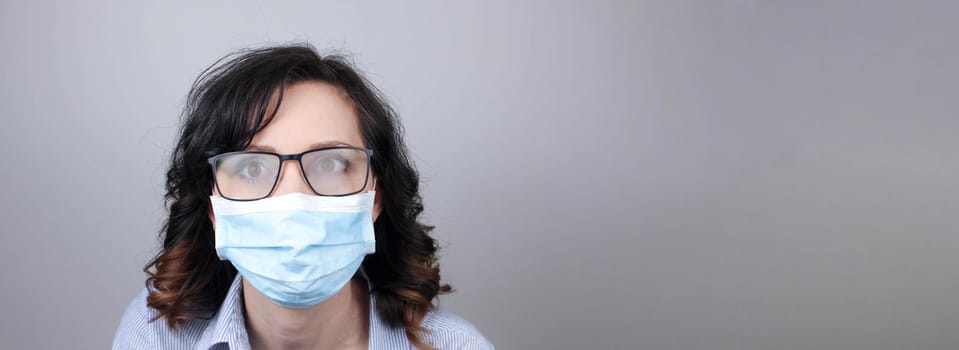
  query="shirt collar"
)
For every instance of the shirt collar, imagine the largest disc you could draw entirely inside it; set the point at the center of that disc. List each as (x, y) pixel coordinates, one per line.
(229, 325)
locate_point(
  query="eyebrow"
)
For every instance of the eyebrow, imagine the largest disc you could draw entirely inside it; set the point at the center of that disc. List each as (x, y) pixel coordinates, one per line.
(331, 143)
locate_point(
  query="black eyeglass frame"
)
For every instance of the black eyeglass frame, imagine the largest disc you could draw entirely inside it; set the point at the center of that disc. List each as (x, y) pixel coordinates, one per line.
(298, 157)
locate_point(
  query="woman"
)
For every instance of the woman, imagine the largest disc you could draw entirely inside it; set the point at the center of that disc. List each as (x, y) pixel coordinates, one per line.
(292, 222)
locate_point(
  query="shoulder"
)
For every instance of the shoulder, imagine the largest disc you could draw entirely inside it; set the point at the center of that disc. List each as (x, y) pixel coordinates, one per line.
(450, 331)
(135, 330)
(140, 328)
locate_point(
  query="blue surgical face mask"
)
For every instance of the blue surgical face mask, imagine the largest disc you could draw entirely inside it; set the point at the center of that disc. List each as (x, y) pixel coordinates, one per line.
(296, 249)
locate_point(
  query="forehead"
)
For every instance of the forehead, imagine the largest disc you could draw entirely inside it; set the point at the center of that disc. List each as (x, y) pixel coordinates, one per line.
(311, 112)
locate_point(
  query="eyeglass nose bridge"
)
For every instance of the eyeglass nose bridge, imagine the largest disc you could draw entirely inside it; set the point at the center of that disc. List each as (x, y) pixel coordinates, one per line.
(302, 172)
(285, 157)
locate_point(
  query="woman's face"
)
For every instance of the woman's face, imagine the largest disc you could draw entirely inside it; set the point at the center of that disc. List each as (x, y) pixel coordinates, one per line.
(312, 115)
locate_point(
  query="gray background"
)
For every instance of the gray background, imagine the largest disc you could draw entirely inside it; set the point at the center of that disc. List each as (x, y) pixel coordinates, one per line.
(603, 175)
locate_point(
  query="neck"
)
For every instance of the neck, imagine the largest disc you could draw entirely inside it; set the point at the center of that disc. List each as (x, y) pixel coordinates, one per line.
(341, 321)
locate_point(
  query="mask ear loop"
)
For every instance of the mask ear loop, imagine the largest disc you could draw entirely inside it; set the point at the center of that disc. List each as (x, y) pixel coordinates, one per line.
(374, 184)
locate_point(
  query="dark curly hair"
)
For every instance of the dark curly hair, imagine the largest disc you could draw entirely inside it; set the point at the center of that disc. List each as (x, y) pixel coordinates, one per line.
(226, 106)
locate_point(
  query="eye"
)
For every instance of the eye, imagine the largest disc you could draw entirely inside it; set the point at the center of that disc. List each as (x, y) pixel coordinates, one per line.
(331, 164)
(253, 170)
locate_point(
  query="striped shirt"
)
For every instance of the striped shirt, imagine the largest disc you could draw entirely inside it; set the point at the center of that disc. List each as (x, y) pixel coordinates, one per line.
(227, 330)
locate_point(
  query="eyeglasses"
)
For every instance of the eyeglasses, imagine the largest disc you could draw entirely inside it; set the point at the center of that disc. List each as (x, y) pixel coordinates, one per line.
(330, 171)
